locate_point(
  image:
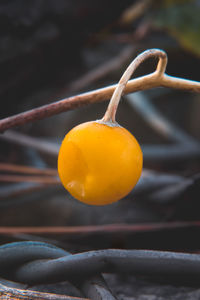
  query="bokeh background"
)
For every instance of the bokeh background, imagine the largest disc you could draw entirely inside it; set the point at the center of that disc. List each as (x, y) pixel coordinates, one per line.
(51, 50)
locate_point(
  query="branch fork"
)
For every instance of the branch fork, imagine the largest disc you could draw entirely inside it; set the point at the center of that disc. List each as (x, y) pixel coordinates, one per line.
(155, 76)
(156, 79)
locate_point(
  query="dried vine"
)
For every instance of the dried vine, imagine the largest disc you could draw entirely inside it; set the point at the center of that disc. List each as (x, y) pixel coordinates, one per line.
(156, 79)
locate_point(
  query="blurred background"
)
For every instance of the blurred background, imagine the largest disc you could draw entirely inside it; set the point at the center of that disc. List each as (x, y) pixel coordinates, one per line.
(55, 49)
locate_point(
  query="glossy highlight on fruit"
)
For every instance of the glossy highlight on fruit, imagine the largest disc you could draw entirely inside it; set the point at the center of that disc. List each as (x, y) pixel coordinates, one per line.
(98, 163)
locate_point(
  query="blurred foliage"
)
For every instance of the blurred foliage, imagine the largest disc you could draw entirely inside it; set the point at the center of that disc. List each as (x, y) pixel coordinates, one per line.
(181, 20)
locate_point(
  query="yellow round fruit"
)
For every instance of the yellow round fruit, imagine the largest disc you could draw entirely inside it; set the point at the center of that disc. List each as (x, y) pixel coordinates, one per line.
(99, 164)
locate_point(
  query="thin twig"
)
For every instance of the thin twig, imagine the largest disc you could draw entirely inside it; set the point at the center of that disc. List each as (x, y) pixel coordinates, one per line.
(133, 12)
(13, 293)
(142, 83)
(27, 169)
(113, 64)
(157, 120)
(36, 143)
(19, 178)
(170, 154)
(108, 228)
(149, 182)
(19, 189)
(101, 71)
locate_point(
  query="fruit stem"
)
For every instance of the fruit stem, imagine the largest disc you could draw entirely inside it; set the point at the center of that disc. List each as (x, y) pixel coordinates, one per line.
(160, 71)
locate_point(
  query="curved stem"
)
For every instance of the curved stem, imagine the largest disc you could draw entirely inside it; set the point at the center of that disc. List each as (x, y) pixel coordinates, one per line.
(153, 80)
(160, 70)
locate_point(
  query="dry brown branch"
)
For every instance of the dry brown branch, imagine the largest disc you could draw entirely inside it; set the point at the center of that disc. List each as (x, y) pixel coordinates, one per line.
(103, 70)
(17, 294)
(22, 188)
(47, 176)
(108, 228)
(113, 64)
(155, 79)
(143, 105)
(36, 143)
(26, 169)
(38, 179)
(135, 11)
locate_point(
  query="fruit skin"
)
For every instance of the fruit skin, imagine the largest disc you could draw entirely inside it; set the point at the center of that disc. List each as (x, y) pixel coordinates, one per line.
(99, 164)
